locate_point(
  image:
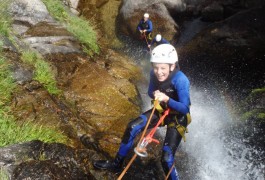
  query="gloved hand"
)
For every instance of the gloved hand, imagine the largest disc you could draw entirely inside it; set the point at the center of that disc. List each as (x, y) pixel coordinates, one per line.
(162, 97)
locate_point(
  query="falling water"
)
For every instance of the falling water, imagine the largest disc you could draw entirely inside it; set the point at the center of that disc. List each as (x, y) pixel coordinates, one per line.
(218, 145)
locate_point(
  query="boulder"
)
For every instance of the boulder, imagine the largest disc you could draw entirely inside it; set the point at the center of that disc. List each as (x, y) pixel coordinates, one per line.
(105, 12)
(21, 74)
(231, 51)
(26, 13)
(162, 13)
(213, 12)
(38, 29)
(38, 160)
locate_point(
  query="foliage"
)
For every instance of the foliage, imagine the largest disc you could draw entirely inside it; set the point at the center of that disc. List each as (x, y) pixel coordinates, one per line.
(5, 20)
(80, 27)
(3, 174)
(12, 132)
(252, 107)
(43, 71)
(7, 84)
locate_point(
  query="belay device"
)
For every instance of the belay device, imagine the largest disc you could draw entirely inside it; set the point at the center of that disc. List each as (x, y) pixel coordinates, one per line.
(140, 149)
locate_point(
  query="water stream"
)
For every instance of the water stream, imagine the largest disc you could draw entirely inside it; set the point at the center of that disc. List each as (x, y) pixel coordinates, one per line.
(218, 145)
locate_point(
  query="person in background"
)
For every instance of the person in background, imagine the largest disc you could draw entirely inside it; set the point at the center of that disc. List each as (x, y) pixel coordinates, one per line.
(158, 40)
(145, 27)
(171, 87)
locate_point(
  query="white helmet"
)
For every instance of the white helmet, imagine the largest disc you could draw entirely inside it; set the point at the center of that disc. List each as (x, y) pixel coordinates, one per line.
(164, 53)
(158, 37)
(146, 15)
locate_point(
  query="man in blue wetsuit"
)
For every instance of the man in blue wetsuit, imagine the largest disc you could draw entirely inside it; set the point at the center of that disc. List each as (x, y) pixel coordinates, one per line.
(145, 27)
(158, 40)
(171, 87)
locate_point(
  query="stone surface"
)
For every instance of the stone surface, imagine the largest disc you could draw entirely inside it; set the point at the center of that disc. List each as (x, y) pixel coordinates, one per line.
(104, 12)
(213, 12)
(27, 13)
(162, 13)
(231, 51)
(74, 3)
(22, 74)
(7, 45)
(38, 160)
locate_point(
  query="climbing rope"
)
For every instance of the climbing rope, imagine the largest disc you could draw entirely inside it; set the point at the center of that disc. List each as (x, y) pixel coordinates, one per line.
(146, 41)
(169, 171)
(145, 129)
(144, 141)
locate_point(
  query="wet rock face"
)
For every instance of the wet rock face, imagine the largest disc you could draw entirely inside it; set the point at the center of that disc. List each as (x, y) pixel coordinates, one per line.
(22, 74)
(232, 50)
(104, 98)
(213, 12)
(162, 14)
(97, 95)
(105, 12)
(38, 160)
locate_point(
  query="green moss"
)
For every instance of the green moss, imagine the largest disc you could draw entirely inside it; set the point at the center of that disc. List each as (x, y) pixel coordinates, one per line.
(80, 27)
(43, 72)
(5, 20)
(10, 131)
(7, 84)
(257, 92)
(257, 114)
(252, 108)
(3, 174)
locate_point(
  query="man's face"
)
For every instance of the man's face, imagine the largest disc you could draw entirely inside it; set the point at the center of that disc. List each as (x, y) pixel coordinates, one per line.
(162, 71)
(145, 18)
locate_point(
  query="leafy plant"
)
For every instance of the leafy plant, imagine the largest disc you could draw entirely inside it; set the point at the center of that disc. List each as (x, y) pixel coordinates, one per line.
(7, 84)
(3, 174)
(12, 132)
(43, 72)
(80, 27)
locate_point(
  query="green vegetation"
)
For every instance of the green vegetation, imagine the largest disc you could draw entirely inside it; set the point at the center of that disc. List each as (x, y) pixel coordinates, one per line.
(252, 106)
(80, 27)
(12, 132)
(5, 20)
(3, 174)
(7, 84)
(43, 72)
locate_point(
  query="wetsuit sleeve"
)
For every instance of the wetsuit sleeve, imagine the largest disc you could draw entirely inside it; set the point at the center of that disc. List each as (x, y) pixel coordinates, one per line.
(150, 24)
(151, 87)
(164, 41)
(182, 85)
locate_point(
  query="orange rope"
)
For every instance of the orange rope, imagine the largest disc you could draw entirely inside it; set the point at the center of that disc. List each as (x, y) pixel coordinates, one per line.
(169, 171)
(146, 41)
(143, 134)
